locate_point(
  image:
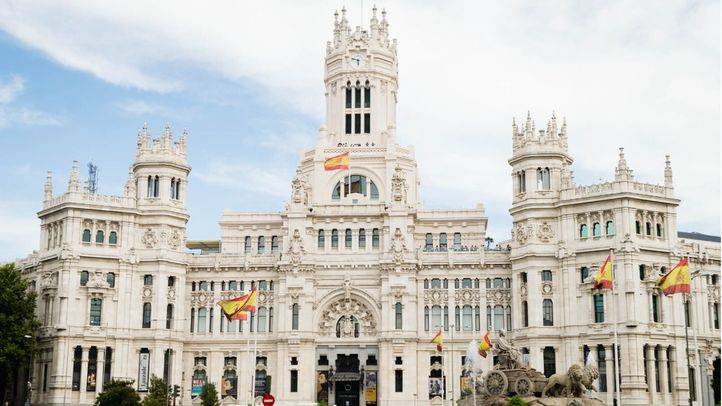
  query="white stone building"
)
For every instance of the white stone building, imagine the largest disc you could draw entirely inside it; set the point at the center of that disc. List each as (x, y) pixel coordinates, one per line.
(355, 276)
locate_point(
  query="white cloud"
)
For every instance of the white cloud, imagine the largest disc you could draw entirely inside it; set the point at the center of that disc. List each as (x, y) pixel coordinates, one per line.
(143, 108)
(640, 75)
(247, 178)
(11, 113)
(20, 229)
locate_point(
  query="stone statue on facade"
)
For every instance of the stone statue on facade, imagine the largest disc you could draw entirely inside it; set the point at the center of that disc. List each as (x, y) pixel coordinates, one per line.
(398, 247)
(398, 185)
(296, 251)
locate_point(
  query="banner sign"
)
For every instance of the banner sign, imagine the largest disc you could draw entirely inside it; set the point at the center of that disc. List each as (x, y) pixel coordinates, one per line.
(143, 372)
(197, 383)
(229, 386)
(370, 387)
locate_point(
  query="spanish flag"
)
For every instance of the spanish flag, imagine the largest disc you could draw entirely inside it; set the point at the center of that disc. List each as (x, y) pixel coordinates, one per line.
(677, 280)
(485, 345)
(239, 307)
(603, 278)
(336, 162)
(438, 341)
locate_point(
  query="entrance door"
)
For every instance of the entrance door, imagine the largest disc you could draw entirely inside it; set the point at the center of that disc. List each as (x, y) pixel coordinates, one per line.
(347, 393)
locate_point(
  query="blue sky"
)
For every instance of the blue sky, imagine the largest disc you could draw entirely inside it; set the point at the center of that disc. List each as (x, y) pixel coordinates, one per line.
(78, 80)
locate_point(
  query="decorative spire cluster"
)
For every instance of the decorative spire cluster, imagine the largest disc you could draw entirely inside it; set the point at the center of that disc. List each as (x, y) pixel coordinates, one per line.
(48, 186)
(73, 180)
(622, 171)
(345, 38)
(668, 181)
(164, 145)
(528, 132)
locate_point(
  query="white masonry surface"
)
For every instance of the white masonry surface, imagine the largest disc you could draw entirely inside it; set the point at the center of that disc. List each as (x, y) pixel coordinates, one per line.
(355, 276)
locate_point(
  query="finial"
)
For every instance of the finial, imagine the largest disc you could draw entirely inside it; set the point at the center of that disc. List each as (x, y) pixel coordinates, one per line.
(335, 15)
(622, 171)
(73, 183)
(48, 186)
(667, 162)
(668, 180)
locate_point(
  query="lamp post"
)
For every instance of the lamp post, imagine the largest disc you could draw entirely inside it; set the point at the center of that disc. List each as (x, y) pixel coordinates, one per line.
(697, 352)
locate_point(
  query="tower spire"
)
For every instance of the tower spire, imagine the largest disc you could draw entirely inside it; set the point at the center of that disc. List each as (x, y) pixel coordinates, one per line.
(48, 186)
(73, 182)
(668, 181)
(622, 171)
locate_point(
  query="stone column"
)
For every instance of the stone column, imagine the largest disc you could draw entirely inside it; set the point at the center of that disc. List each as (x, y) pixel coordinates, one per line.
(609, 365)
(673, 372)
(83, 375)
(663, 383)
(100, 370)
(649, 355)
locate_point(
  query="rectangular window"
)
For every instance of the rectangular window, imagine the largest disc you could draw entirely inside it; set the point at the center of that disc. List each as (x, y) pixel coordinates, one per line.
(375, 238)
(348, 123)
(546, 276)
(357, 97)
(715, 315)
(357, 123)
(399, 315)
(599, 308)
(96, 308)
(362, 238)
(348, 97)
(367, 123)
(399, 380)
(348, 238)
(294, 380)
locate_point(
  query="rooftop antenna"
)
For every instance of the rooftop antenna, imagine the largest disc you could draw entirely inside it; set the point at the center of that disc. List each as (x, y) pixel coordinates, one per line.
(92, 183)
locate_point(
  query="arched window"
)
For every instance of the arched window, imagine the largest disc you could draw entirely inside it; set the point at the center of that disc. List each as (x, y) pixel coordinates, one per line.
(150, 186)
(84, 276)
(457, 241)
(113, 238)
(110, 278)
(498, 318)
(584, 273)
(426, 318)
(348, 99)
(203, 285)
(247, 245)
(348, 238)
(357, 96)
(477, 318)
(96, 309)
(156, 186)
(489, 324)
(202, 312)
(367, 94)
(659, 230)
(548, 312)
(99, 237)
(86, 235)
(172, 188)
(341, 323)
(542, 179)
(467, 318)
(262, 314)
(524, 314)
(294, 316)
(374, 191)
(375, 239)
(583, 231)
(507, 314)
(442, 242)
(261, 244)
(521, 182)
(358, 185)
(638, 227)
(147, 315)
(498, 283)
(274, 243)
(429, 242)
(177, 189)
(398, 310)
(436, 283)
(488, 283)
(334, 238)
(168, 316)
(446, 318)
(148, 280)
(550, 362)
(321, 239)
(362, 238)
(436, 317)
(648, 228)
(457, 318)
(610, 228)
(596, 230)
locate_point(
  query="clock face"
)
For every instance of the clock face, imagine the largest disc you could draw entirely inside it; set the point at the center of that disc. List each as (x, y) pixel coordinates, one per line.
(357, 60)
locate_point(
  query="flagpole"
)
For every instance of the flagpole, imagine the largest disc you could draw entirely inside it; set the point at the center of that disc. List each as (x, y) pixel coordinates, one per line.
(255, 355)
(616, 342)
(686, 340)
(443, 376)
(248, 351)
(452, 365)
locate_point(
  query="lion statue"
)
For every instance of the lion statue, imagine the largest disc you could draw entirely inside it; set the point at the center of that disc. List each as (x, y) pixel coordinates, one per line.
(574, 382)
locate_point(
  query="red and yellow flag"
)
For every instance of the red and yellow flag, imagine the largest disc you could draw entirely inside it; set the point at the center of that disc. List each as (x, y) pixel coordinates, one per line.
(438, 341)
(239, 307)
(677, 280)
(603, 278)
(337, 162)
(485, 345)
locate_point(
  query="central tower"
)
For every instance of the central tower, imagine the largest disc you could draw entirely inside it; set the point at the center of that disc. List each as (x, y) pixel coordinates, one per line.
(361, 79)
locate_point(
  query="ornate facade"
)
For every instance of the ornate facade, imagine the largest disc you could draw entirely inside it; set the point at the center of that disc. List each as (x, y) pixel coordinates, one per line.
(355, 276)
